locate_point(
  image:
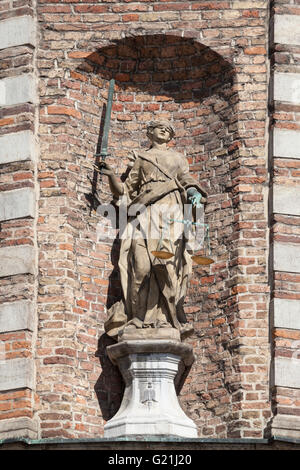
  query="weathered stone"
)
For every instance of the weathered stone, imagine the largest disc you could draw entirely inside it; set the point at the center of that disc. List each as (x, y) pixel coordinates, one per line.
(287, 372)
(287, 87)
(17, 90)
(286, 313)
(286, 257)
(17, 31)
(149, 333)
(16, 316)
(17, 260)
(287, 29)
(150, 405)
(16, 373)
(286, 199)
(17, 146)
(286, 426)
(17, 204)
(286, 143)
(15, 428)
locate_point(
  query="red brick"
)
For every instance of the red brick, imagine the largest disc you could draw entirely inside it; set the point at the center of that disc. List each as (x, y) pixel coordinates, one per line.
(255, 50)
(64, 110)
(6, 121)
(82, 303)
(130, 17)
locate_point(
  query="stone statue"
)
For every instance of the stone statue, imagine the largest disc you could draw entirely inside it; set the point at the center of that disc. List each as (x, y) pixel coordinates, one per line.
(154, 289)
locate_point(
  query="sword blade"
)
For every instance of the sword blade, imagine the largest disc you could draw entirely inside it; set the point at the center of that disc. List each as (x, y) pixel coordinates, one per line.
(104, 143)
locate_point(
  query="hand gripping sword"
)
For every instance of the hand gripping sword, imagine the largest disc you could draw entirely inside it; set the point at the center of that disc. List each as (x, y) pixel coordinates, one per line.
(104, 142)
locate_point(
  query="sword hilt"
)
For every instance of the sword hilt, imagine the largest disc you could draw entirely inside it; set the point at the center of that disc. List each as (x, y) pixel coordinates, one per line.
(96, 167)
(102, 155)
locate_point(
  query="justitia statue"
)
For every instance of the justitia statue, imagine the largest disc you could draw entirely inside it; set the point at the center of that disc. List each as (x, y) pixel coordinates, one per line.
(153, 288)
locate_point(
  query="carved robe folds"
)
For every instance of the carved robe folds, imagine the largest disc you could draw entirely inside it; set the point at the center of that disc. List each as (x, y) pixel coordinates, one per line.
(154, 289)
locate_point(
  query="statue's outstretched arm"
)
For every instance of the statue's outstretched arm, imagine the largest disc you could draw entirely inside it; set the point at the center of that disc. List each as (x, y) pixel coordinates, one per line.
(116, 187)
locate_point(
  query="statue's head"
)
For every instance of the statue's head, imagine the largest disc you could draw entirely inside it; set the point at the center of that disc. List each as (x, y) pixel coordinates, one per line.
(166, 128)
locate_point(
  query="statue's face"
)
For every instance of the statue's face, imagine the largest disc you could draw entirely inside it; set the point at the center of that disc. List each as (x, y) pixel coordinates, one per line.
(161, 134)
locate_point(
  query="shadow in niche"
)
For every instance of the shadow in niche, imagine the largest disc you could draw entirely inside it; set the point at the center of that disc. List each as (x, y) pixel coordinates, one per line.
(183, 71)
(109, 388)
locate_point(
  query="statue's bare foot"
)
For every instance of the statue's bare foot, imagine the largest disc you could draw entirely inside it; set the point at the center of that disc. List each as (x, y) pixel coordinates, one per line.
(186, 330)
(131, 326)
(148, 325)
(162, 324)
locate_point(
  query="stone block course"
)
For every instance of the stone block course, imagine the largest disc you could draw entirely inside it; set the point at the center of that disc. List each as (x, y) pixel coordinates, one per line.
(286, 313)
(287, 257)
(287, 372)
(286, 426)
(18, 203)
(286, 199)
(16, 373)
(287, 87)
(287, 29)
(286, 221)
(17, 260)
(17, 146)
(22, 427)
(17, 213)
(16, 316)
(17, 90)
(17, 31)
(286, 143)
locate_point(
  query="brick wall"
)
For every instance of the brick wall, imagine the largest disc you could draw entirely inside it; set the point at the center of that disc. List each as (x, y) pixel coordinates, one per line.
(285, 165)
(210, 78)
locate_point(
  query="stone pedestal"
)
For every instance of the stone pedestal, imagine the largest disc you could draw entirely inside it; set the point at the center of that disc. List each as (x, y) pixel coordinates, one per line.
(152, 370)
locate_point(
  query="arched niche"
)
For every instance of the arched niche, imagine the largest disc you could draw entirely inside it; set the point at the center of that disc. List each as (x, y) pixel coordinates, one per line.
(179, 79)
